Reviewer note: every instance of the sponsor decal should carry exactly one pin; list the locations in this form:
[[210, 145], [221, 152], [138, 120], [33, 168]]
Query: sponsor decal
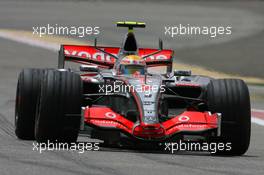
[[99, 56], [183, 118], [191, 126], [107, 123], [110, 115]]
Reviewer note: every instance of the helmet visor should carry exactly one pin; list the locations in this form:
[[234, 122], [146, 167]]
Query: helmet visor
[[131, 69]]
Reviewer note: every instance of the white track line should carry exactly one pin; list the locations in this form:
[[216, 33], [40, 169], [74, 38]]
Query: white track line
[[30, 41], [257, 110], [55, 47], [257, 121]]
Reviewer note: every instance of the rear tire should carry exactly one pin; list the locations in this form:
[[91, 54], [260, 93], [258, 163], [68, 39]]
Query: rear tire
[[230, 97], [59, 111], [28, 88]]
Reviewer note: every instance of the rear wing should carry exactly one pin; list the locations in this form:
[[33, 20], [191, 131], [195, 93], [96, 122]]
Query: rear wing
[[90, 55], [131, 24]]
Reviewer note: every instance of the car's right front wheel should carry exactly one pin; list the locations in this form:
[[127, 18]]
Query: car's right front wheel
[[28, 88], [59, 107]]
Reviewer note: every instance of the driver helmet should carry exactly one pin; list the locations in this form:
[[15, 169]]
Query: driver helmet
[[131, 65]]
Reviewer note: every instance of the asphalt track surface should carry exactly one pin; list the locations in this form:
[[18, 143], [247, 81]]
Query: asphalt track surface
[[17, 157]]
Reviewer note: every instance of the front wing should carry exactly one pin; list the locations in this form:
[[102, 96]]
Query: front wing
[[191, 122]]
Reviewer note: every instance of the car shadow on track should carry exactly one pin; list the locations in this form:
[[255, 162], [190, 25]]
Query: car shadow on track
[[131, 149]]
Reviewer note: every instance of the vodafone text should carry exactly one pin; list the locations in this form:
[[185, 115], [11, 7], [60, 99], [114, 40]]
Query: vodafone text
[[99, 56]]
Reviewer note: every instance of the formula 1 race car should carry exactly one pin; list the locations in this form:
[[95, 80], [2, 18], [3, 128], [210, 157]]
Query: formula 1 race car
[[120, 95]]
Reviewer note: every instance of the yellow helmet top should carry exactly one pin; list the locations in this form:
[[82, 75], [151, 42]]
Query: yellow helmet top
[[133, 59]]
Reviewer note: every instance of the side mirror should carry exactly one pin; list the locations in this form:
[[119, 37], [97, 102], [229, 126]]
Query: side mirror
[[160, 44], [182, 73], [89, 68]]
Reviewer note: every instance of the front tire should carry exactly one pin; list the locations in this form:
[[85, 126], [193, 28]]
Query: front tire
[[230, 97], [28, 88], [59, 111]]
